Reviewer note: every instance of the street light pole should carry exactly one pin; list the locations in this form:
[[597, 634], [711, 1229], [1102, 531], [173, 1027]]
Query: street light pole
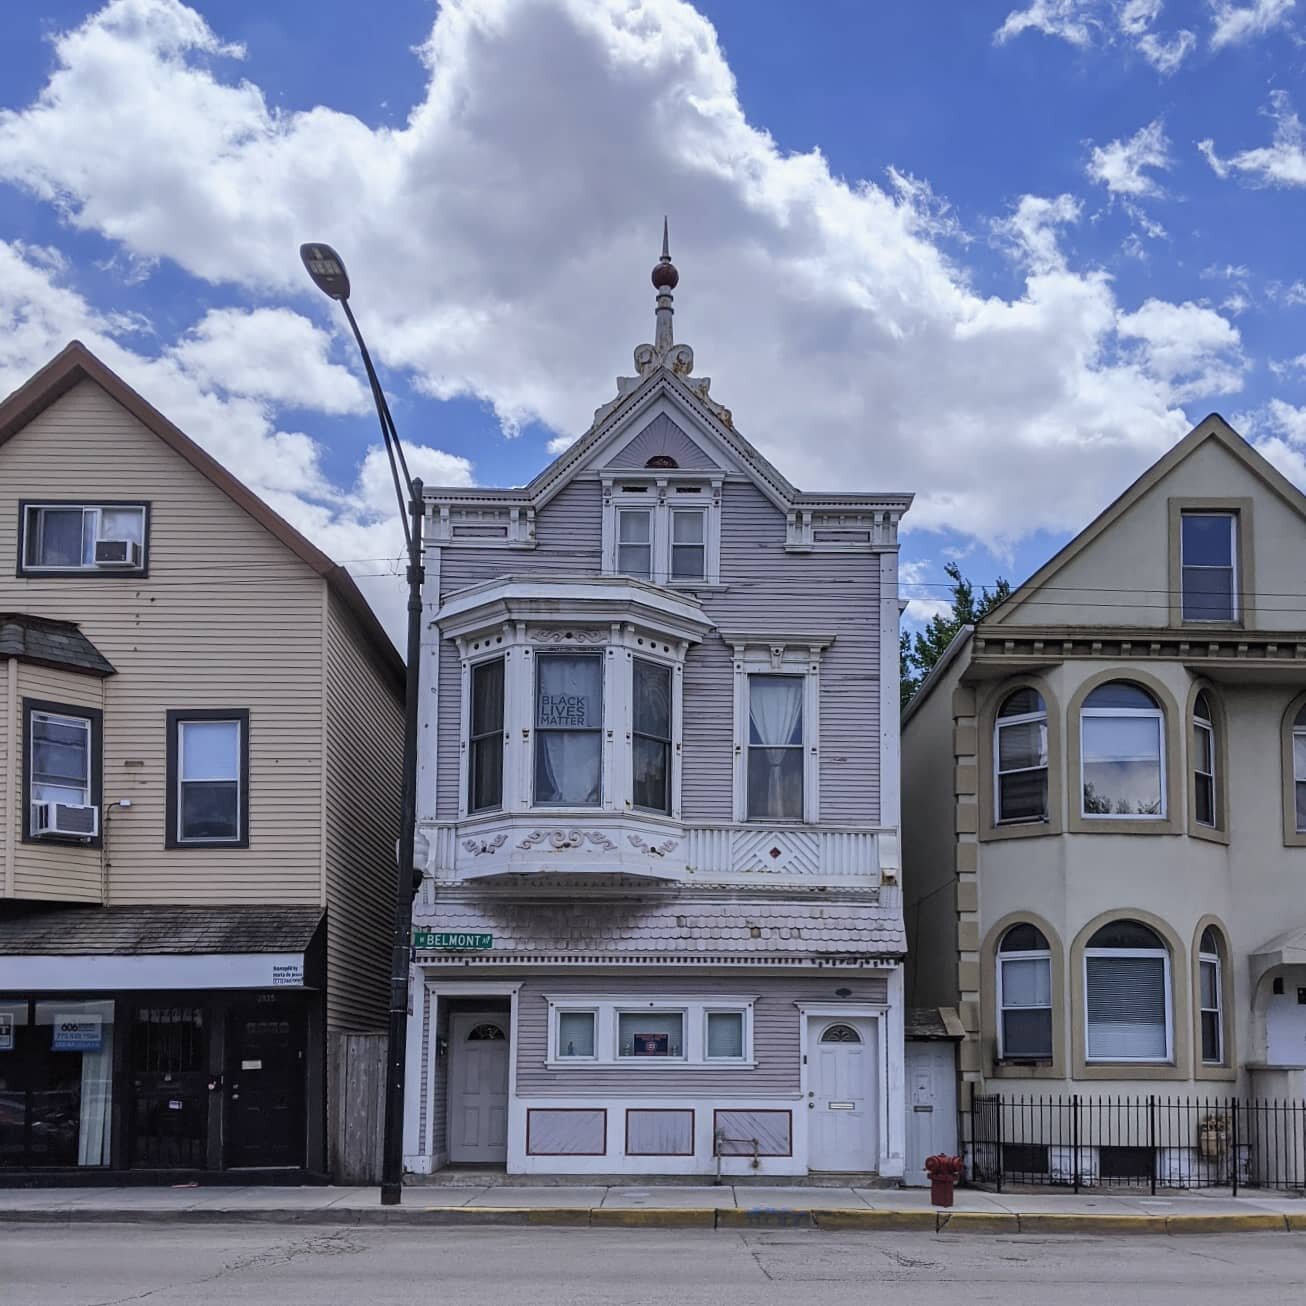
[[327, 270]]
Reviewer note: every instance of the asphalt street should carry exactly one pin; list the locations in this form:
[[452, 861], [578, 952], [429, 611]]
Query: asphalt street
[[112, 1265]]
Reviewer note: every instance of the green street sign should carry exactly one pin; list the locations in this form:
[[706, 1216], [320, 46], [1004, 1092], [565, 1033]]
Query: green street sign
[[451, 941]]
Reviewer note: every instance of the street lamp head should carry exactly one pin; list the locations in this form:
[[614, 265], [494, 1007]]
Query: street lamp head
[[327, 269]]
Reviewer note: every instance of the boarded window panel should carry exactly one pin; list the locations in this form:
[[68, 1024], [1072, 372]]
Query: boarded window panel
[[736, 1131], [565, 1132], [659, 1133]]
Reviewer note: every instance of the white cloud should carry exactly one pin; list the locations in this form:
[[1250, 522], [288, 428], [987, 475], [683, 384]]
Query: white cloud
[[1237, 303], [818, 306], [1278, 430], [273, 354], [1121, 166], [1089, 23], [1282, 163], [1233, 24]]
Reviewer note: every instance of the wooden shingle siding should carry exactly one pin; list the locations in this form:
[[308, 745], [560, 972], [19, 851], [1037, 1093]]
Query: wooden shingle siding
[[776, 1033], [228, 617], [364, 754]]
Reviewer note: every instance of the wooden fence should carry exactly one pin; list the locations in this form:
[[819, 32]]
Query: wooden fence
[[355, 1106]]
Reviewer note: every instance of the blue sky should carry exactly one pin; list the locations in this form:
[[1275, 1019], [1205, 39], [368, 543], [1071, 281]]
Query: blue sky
[[1002, 255]]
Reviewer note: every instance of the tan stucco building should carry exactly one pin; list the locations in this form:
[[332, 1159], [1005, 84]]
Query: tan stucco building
[[200, 742], [1104, 793]]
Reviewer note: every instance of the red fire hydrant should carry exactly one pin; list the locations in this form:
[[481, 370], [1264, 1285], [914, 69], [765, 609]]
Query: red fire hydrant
[[944, 1171]]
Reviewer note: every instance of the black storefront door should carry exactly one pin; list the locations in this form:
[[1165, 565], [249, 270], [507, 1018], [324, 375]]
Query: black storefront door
[[265, 1082], [170, 1087]]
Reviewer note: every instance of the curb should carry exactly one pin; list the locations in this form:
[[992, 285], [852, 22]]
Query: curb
[[844, 1219]]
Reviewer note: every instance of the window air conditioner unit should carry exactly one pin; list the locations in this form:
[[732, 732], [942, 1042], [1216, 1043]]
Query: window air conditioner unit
[[117, 553], [70, 820]]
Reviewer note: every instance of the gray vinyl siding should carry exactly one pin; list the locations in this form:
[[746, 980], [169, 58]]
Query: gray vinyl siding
[[766, 589], [364, 778], [776, 1034]]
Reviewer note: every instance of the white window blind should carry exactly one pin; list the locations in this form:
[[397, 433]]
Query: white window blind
[[1127, 998]]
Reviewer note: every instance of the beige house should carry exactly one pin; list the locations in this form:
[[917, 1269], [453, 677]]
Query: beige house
[[1104, 787], [200, 747]]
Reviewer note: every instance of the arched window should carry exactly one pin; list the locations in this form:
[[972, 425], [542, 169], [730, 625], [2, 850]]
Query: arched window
[[1127, 994], [1203, 762], [1020, 758], [485, 1034], [1122, 743], [1210, 974], [1024, 995], [1299, 769], [841, 1034]]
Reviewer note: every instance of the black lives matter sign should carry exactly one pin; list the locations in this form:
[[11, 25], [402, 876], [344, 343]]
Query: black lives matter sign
[[565, 710]]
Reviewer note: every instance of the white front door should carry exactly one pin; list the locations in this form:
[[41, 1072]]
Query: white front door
[[842, 1094], [931, 1105], [478, 1086]]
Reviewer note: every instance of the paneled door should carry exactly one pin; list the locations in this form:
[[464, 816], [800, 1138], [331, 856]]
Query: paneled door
[[478, 1087], [842, 1098], [931, 1106]]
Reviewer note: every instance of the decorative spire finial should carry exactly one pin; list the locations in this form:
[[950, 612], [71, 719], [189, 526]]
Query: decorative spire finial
[[665, 279], [664, 272]]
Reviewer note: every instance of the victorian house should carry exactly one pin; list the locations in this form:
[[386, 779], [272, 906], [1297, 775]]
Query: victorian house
[[1106, 856], [660, 928]]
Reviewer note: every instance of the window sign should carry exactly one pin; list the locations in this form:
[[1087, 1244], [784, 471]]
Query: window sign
[[6, 1031], [569, 721], [77, 1032]]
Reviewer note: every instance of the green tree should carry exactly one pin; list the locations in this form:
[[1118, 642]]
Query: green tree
[[918, 653]]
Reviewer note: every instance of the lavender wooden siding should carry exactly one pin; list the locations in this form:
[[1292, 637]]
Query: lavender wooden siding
[[775, 1033], [767, 589], [661, 437]]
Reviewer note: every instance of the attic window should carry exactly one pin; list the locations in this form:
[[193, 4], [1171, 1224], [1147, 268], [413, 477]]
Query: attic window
[[662, 460]]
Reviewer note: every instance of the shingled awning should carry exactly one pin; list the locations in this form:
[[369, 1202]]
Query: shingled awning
[[156, 947], [680, 929], [50, 644]]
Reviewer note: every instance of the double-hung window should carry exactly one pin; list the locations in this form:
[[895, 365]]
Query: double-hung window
[[1024, 995], [208, 779], [1203, 762], [1211, 997], [1020, 758], [1299, 769], [666, 533], [1127, 994], [688, 544], [485, 745], [568, 729], [1208, 544], [635, 542], [70, 538], [775, 748], [651, 735], [62, 747], [1123, 753]]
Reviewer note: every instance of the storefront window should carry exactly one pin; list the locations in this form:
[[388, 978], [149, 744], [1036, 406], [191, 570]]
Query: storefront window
[[56, 1083]]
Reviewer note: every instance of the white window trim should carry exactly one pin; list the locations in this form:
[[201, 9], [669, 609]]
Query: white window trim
[[1037, 954], [782, 655], [1206, 724], [1232, 568], [1151, 713], [693, 1012], [619, 644], [83, 723], [604, 730], [1164, 955], [1211, 959], [1000, 723], [32, 509], [660, 497]]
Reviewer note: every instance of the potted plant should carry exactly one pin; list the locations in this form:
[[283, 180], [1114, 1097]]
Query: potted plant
[[1212, 1136], [944, 1171]]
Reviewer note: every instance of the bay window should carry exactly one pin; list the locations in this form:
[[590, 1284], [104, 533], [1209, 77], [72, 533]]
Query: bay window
[[775, 748], [1127, 995], [1210, 997], [568, 729], [61, 771], [1203, 762], [1299, 771], [1122, 745], [651, 736], [1020, 758]]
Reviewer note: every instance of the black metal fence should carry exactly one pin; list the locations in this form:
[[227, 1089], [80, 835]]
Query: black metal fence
[[1149, 1142]]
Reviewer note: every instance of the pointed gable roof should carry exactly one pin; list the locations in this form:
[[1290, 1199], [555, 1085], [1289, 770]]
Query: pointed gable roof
[[75, 364], [1211, 429]]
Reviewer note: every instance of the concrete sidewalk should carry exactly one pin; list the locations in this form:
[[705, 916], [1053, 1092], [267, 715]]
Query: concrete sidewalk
[[656, 1206]]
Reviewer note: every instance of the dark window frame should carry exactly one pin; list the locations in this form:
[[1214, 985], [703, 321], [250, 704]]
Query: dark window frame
[[82, 573], [474, 740], [96, 717], [176, 717], [667, 743]]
